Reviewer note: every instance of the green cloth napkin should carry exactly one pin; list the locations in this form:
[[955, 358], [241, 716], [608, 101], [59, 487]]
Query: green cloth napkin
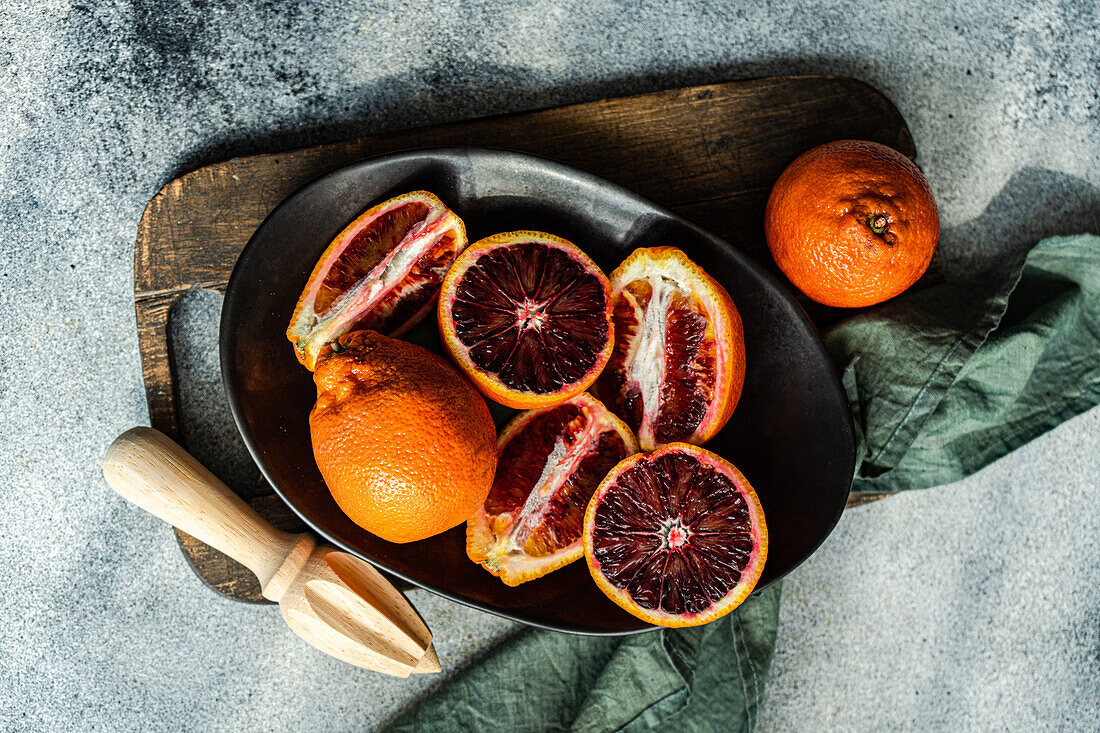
[[940, 381]]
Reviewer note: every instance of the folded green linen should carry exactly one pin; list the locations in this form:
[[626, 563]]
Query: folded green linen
[[940, 381]]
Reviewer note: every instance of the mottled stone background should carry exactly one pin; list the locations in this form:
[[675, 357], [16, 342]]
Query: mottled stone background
[[971, 607]]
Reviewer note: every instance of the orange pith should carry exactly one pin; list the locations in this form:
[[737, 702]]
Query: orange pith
[[405, 444], [675, 537], [382, 272], [679, 360], [852, 223], [527, 317], [551, 460]]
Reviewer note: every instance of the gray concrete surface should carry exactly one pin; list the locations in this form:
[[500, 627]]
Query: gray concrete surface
[[971, 607]]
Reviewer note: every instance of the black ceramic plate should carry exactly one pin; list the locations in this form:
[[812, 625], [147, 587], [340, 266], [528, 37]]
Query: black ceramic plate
[[791, 433]]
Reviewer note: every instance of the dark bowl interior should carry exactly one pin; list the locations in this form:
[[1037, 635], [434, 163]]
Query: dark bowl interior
[[791, 433]]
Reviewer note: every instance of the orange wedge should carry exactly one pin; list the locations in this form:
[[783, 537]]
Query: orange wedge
[[679, 361], [381, 273], [551, 460]]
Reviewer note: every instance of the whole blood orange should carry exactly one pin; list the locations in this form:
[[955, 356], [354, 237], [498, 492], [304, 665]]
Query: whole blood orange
[[405, 444], [382, 272], [550, 462], [679, 361], [527, 316], [852, 223], [676, 537]]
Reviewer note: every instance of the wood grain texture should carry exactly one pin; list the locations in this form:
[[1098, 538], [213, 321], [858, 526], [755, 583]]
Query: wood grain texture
[[709, 152]]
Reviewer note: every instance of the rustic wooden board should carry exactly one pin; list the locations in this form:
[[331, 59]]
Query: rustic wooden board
[[708, 152]]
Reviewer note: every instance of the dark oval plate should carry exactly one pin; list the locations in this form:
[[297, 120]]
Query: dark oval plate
[[791, 433]]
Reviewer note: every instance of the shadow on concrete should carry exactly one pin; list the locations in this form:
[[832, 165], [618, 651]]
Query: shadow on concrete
[[462, 89], [1034, 204]]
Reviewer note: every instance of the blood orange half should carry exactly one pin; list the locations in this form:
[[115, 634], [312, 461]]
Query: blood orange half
[[679, 361], [527, 316], [676, 537], [551, 460], [381, 273]]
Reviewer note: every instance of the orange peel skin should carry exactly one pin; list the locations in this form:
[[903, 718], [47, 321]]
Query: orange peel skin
[[852, 223]]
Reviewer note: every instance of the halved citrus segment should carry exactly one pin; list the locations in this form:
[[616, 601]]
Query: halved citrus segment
[[550, 462], [679, 361], [381, 273], [676, 537], [527, 316]]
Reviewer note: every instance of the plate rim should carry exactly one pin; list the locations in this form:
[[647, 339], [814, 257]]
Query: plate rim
[[227, 342]]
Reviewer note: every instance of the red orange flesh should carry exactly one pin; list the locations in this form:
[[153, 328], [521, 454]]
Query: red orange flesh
[[675, 537], [550, 462], [382, 273], [527, 316], [679, 361]]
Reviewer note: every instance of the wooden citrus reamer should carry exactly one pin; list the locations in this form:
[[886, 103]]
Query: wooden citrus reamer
[[335, 601]]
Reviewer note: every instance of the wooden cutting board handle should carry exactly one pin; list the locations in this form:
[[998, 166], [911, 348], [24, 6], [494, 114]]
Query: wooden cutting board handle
[[149, 469]]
